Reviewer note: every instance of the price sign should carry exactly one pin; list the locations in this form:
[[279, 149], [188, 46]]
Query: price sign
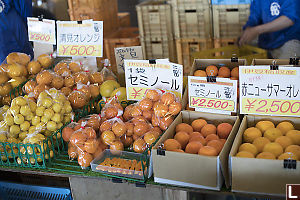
[[219, 96], [142, 75], [84, 39], [41, 31], [265, 91]]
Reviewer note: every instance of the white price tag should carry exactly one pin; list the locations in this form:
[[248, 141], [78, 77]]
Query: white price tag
[[142, 75], [41, 31], [213, 96]]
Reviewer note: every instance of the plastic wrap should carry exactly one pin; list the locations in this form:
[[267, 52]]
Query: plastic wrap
[[112, 109]]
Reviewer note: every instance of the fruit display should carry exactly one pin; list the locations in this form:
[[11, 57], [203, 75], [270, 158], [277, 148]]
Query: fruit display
[[221, 72], [199, 137], [270, 141], [16, 69]]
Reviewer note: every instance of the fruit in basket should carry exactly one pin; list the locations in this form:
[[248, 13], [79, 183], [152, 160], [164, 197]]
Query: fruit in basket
[[94, 90], [200, 73], [77, 99], [295, 149], [184, 127], [120, 93], [96, 77], [29, 86], [264, 125], [198, 124], [3, 77], [249, 147], [34, 67], [251, 133], [44, 77], [223, 130], [107, 137], [285, 127], [171, 144], [15, 82], [244, 154], [81, 77], [75, 67], [107, 88], [45, 60], [15, 70], [84, 159], [235, 72], [167, 98], [294, 135], [211, 137], [57, 82], [116, 145], [91, 146], [72, 152], [217, 144], [119, 129], [20, 58], [5, 89], [288, 155], [208, 151], [272, 134], [224, 72], [165, 122], [266, 155], [139, 145], [274, 148], [153, 95], [211, 70], [193, 147], [208, 129], [260, 142]]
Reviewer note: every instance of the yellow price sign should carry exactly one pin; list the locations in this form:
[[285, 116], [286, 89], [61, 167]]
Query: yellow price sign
[[80, 50], [270, 106], [209, 103], [138, 93]]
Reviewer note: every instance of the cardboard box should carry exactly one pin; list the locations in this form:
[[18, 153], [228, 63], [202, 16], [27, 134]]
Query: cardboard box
[[191, 170], [270, 62], [263, 176]]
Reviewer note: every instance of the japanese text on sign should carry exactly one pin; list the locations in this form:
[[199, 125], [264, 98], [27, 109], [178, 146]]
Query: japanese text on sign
[[270, 92], [41, 31], [213, 97], [141, 75], [84, 39]]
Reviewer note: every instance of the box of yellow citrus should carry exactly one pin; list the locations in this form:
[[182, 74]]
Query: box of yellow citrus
[[265, 155], [194, 151]]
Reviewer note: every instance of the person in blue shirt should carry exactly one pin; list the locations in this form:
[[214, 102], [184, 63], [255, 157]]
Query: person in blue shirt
[[13, 27], [277, 23]]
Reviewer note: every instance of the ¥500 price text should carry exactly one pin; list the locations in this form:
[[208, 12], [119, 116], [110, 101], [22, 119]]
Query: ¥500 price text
[[40, 37], [79, 50]]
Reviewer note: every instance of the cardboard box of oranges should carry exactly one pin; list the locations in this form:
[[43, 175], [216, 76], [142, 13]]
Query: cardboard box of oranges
[[270, 62], [264, 155], [195, 163]]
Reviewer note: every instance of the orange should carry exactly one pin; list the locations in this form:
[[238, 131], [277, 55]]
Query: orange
[[197, 137], [294, 135], [153, 95], [235, 72], [193, 147], [285, 127], [288, 155], [178, 150], [171, 144], [272, 134], [208, 129], [200, 73], [260, 142], [195, 133], [211, 137], [139, 145], [264, 125], [182, 137], [117, 145], [150, 137], [217, 144], [198, 124], [224, 72], [284, 141], [294, 149], [184, 127], [223, 130], [266, 155], [274, 148], [108, 137], [223, 141], [248, 147], [244, 154], [251, 133], [145, 104], [211, 70], [160, 110], [167, 98], [208, 151]]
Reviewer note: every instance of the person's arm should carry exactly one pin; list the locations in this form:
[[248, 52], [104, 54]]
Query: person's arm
[[254, 18], [278, 24], [24, 8]]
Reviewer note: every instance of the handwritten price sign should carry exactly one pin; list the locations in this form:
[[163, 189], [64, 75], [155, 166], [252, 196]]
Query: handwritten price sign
[[84, 39], [141, 75], [41, 31], [219, 96], [265, 91]]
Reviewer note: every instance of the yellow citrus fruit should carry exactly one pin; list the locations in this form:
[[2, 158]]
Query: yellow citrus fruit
[[294, 135], [266, 155], [251, 133], [288, 155], [284, 141], [260, 142], [264, 125], [272, 134], [244, 154], [249, 148], [273, 148], [293, 149], [285, 127]]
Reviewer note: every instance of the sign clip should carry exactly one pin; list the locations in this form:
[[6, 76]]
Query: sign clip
[[294, 61], [289, 164], [234, 59], [152, 61], [41, 17], [161, 152], [211, 79]]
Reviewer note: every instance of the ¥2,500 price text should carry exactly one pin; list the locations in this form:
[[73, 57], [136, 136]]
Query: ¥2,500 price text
[[271, 106], [218, 104]]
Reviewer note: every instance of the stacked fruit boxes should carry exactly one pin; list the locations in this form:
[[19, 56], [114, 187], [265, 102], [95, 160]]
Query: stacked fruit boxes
[[156, 29], [192, 27], [229, 17]]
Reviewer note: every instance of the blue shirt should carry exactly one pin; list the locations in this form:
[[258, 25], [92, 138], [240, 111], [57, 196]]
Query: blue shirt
[[264, 11], [13, 27]]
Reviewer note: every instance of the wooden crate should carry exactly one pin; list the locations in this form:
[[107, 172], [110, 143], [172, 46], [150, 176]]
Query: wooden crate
[[125, 37], [176, 3], [155, 48], [185, 49], [154, 19], [228, 20], [224, 42], [108, 14], [92, 4], [124, 19], [191, 20]]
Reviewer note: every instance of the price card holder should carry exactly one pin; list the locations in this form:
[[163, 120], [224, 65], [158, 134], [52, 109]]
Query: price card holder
[[141, 75], [270, 90], [213, 95]]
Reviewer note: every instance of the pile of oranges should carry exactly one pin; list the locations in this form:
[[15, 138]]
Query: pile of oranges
[[222, 72], [199, 138], [265, 141]]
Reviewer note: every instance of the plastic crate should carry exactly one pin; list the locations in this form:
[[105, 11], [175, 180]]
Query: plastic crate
[[185, 49], [228, 20], [14, 191], [246, 52], [155, 19], [155, 48], [124, 19], [192, 19], [230, 2]]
